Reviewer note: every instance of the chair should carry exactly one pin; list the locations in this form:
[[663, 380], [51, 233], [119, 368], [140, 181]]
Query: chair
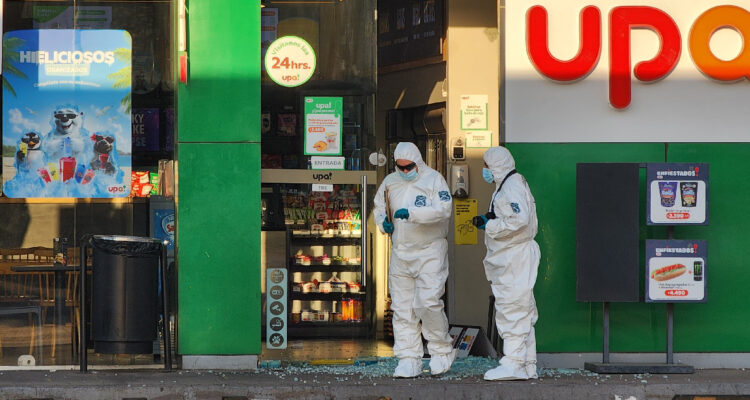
[[21, 293]]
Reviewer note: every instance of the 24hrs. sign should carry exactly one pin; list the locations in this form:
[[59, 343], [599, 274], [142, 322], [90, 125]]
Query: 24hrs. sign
[[290, 61]]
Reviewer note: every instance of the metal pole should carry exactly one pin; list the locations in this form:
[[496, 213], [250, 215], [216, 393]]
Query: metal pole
[[362, 224], [165, 309], [605, 334], [670, 315], [82, 347], [670, 333]]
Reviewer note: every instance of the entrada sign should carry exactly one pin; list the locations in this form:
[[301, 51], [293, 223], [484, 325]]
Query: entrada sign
[[622, 20]]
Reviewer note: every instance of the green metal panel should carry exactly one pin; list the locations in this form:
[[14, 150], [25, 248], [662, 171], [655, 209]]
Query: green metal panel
[[564, 324], [218, 203], [721, 324], [219, 248], [223, 89]]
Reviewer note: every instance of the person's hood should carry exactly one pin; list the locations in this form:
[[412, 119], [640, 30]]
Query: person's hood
[[500, 162], [409, 151]]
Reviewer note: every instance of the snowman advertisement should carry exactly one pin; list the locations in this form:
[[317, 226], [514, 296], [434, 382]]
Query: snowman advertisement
[[66, 113]]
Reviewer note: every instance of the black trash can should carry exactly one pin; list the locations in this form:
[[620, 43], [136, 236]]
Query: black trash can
[[125, 304]]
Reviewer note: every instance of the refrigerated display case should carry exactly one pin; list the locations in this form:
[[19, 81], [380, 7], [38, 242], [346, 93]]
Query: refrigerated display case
[[326, 250]]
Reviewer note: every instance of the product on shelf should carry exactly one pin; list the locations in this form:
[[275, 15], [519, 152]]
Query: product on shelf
[[308, 315], [354, 287], [309, 287]]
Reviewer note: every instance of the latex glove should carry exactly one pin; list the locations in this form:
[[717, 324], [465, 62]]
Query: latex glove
[[387, 226], [480, 221], [401, 213]]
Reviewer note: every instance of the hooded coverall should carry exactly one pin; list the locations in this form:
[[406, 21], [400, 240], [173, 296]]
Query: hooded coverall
[[419, 257], [512, 261]]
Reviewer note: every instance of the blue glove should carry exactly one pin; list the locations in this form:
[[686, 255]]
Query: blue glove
[[401, 213], [480, 221], [387, 226]]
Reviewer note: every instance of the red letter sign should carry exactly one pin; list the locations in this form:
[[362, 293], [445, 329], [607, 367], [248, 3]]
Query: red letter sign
[[622, 20], [538, 47]]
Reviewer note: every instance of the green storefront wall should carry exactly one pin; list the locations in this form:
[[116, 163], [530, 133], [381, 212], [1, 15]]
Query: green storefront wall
[[218, 213], [218, 195], [720, 325]]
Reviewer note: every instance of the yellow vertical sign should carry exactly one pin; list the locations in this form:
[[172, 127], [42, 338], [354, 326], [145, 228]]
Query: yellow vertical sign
[[464, 210]]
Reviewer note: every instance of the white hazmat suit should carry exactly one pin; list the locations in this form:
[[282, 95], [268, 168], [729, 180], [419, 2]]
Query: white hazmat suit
[[419, 264], [511, 266]]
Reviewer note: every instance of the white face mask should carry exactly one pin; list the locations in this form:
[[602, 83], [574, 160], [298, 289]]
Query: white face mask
[[408, 176], [487, 175]]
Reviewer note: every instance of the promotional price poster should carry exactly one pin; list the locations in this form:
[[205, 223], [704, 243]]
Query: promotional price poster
[[323, 125], [677, 194], [66, 113], [676, 271]]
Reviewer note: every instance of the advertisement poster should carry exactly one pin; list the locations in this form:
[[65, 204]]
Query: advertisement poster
[[68, 17], [676, 271], [276, 306], [290, 61], [66, 114], [677, 194], [146, 129], [323, 125], [474, 112], [464, 231]]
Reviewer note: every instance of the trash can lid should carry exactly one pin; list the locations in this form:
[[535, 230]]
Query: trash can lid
[[123, 238], [129, 246]]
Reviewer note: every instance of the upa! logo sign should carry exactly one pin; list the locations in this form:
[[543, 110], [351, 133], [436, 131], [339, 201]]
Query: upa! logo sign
[[644, 62], [622, 20]]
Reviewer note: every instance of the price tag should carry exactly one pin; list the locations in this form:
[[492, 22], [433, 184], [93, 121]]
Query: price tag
[[318, 187]]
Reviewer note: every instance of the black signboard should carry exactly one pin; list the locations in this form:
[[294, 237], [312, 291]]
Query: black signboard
[[409, 30], [676, 271]]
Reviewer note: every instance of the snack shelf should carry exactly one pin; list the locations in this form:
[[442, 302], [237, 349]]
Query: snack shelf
[[314, 324], [307, 248], [326, 296], [328, 330], [325, 268], [318, 241]]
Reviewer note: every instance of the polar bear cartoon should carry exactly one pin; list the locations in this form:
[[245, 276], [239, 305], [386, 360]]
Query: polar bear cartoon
[[67, 138]]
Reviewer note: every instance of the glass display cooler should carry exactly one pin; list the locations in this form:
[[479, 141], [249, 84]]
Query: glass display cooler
[[325, 247]]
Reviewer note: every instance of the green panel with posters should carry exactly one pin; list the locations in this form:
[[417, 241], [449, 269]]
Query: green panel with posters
[[568, 326]]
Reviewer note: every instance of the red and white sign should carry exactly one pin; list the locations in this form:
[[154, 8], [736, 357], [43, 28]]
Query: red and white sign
[[290, 61], [618, 71]]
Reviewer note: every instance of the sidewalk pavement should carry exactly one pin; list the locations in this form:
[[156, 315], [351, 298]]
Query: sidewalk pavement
[[369, 382]]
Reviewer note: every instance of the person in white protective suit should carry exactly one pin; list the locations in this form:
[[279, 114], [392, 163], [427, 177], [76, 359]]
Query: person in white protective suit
[[421, 205], [511, 264]]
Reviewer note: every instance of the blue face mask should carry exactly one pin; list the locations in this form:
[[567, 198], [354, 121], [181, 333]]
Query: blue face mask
[[487, 175], [408, 176]]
